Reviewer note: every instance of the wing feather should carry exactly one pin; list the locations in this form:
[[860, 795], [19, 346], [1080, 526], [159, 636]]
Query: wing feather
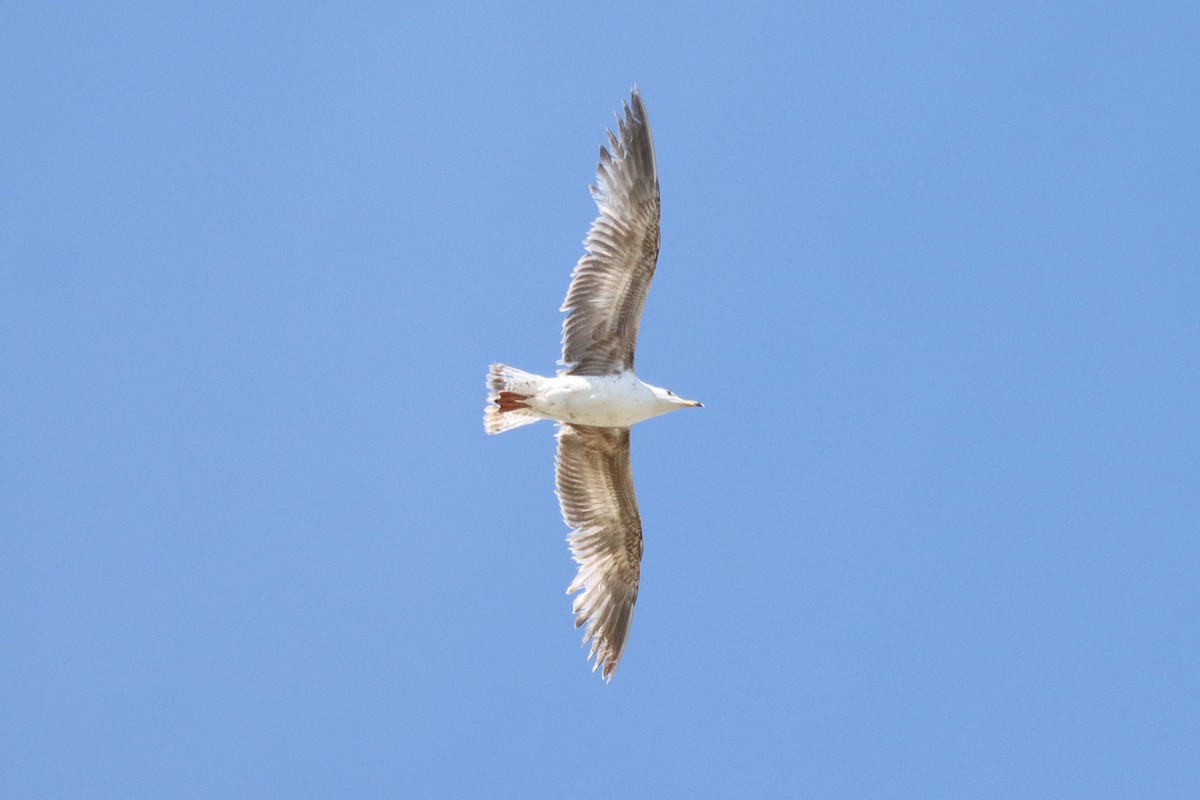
[[595, 490], [610, 283]]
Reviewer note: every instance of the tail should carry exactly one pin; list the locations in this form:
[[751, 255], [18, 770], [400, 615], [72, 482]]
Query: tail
[[508, 389]]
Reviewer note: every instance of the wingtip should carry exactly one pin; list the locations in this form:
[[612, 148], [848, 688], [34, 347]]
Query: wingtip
[[636, 101], [606, 669]]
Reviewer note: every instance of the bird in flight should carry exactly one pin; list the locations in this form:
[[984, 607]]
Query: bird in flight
[[596, 398]]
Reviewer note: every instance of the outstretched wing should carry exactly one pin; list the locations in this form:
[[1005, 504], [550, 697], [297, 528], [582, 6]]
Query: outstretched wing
[[595, 490], [609, 284]]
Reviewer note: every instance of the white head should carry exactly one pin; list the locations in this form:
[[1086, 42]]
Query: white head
[[669, 401]]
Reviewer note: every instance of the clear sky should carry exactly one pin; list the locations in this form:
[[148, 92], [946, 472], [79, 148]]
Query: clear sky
[[933, 270]]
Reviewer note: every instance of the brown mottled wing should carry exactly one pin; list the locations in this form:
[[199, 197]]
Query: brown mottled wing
[[609, 285], [595, 490]]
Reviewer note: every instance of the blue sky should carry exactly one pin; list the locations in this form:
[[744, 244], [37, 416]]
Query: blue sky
[[933, 270]]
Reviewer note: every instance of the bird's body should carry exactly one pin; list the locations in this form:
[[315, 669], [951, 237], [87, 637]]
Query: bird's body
[[609, 401], [598, 398]]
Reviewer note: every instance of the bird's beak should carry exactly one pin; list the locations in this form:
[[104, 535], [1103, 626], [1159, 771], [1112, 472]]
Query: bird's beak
[[693, 403]]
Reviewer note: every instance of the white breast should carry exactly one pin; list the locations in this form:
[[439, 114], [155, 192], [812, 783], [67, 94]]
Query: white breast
[[604, 400]]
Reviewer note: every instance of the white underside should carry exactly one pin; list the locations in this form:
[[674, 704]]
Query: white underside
[[611, 401]]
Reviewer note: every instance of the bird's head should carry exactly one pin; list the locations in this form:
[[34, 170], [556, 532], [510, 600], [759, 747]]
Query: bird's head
[[669, 401]]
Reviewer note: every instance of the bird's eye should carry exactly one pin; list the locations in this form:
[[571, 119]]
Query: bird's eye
[[670, 393]]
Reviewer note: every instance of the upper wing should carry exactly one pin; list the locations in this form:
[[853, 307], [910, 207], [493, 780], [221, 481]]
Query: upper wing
[[595, 490], [609, 284]]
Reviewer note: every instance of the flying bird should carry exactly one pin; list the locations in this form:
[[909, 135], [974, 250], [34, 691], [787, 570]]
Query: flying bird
[[596, 398]]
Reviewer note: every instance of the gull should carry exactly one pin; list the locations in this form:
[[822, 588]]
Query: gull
[[597, 397]]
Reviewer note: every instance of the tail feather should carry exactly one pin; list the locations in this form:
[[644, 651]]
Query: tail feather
[[508, 388]]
